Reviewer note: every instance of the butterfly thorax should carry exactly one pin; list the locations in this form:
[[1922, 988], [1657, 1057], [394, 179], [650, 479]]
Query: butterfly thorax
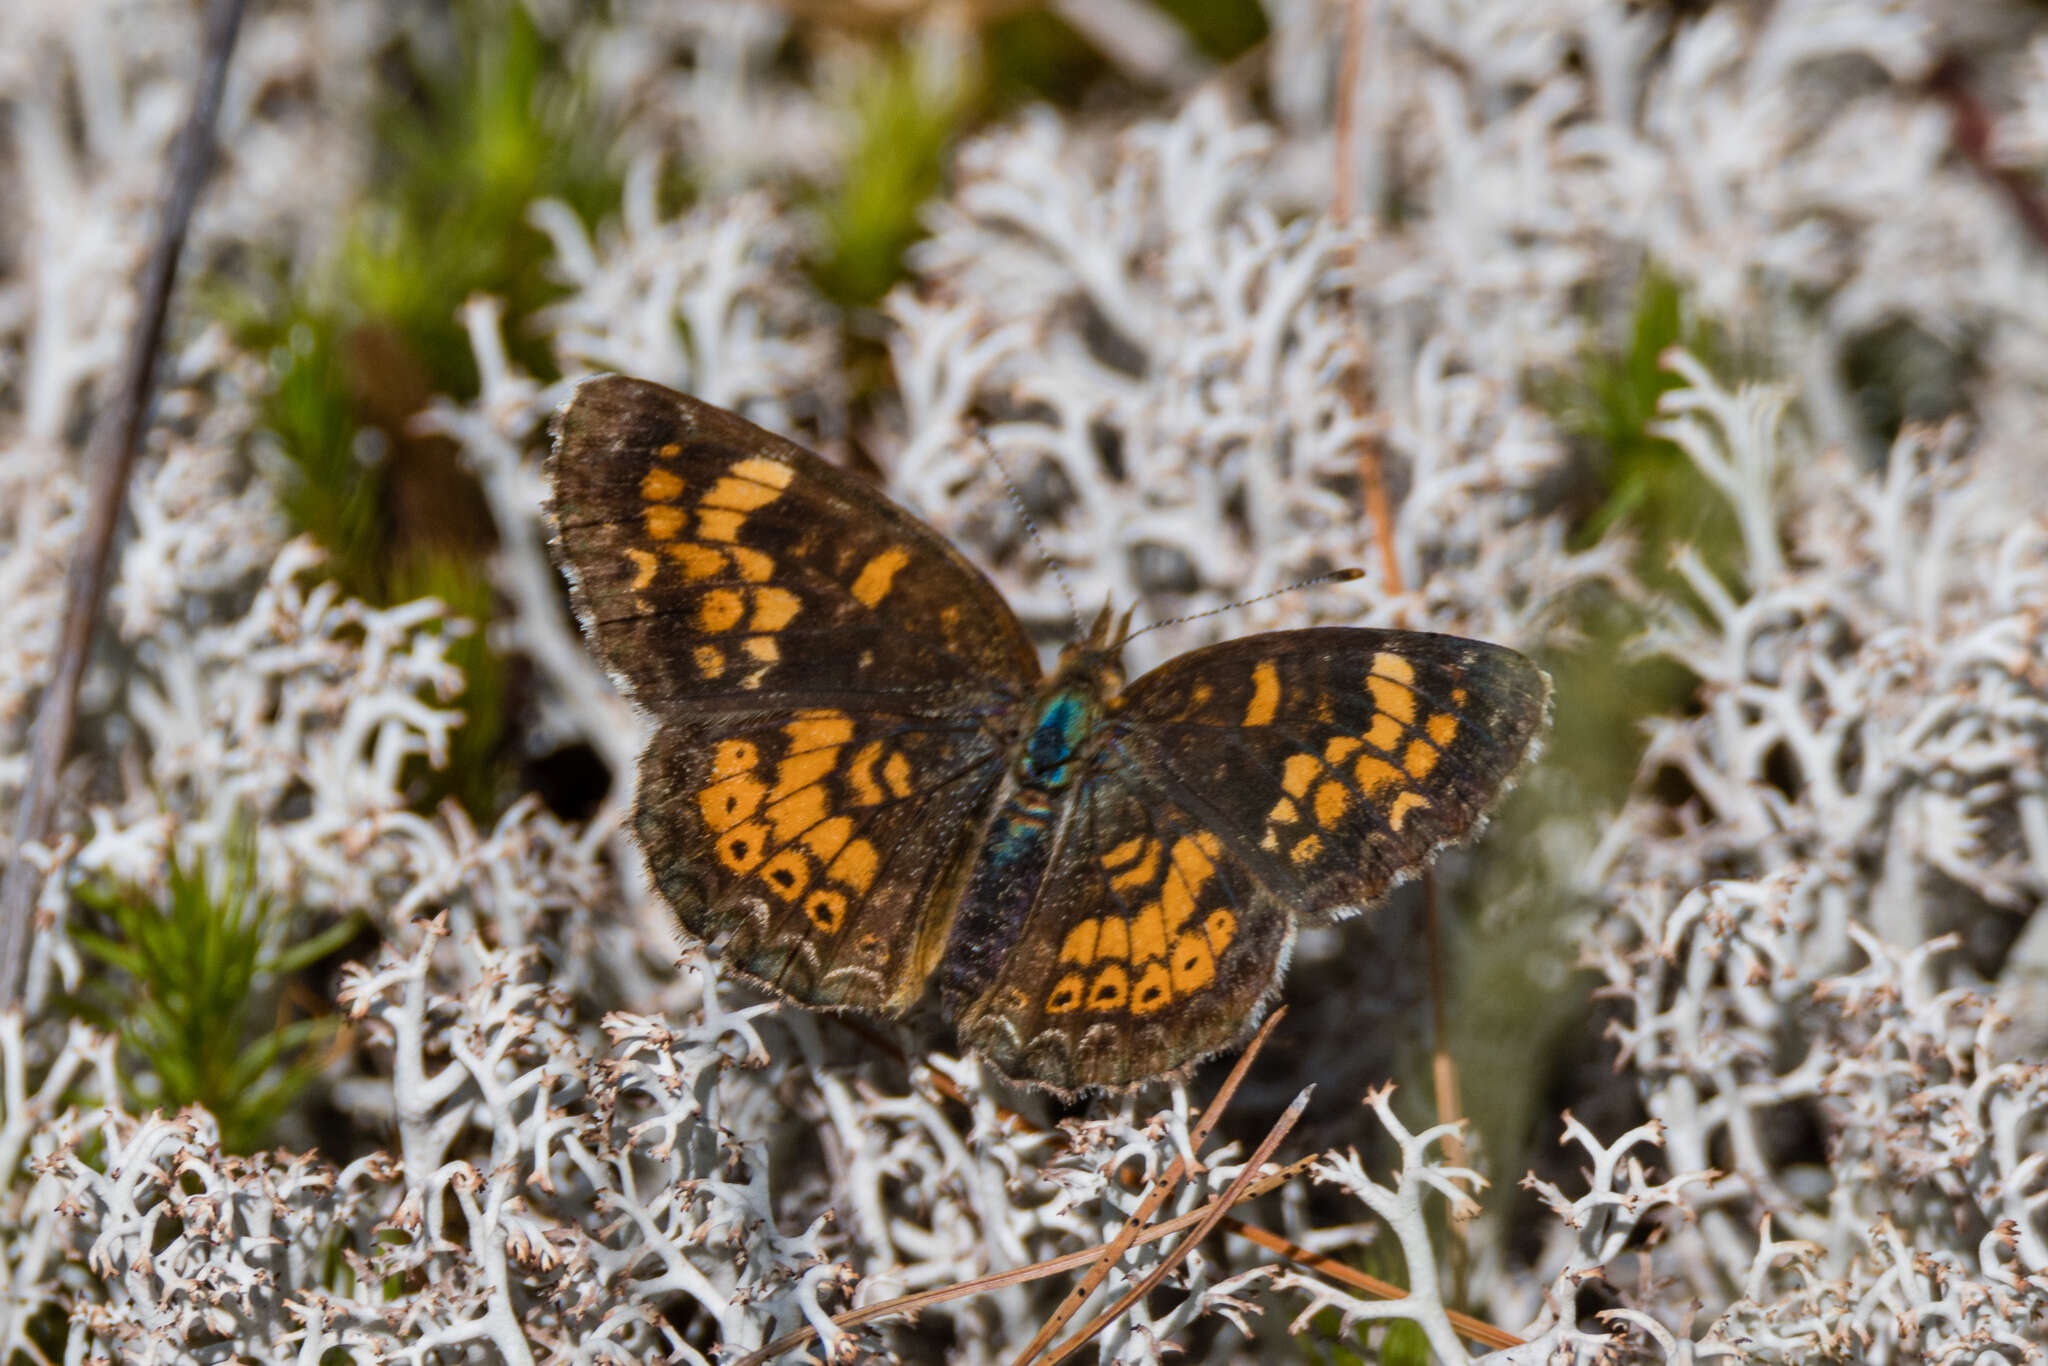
[[1068, 709]]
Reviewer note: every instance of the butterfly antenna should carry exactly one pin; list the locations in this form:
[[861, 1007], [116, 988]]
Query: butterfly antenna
[[1334, 576], [1023, 512]]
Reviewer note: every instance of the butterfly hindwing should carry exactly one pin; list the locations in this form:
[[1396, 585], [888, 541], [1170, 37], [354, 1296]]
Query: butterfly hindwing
[[821, 845], [713, 562], [1149, 946], [1336, 760]]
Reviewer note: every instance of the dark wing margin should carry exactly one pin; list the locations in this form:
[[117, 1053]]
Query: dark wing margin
[[712, 561], [1337, 761]]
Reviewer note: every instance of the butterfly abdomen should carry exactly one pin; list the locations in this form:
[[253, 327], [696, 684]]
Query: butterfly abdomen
[[1017, 848]]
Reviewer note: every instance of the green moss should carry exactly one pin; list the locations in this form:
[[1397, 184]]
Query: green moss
[[1223, 29], [898, 156], [191, 981]]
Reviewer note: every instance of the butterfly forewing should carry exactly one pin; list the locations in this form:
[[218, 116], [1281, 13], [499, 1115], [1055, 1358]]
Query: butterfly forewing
[[1336, 760], [711, 561]]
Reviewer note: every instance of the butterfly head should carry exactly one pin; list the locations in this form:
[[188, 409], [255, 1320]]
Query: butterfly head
[[1094, 665]]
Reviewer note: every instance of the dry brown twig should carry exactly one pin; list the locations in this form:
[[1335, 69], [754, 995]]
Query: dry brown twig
[[113, 458]]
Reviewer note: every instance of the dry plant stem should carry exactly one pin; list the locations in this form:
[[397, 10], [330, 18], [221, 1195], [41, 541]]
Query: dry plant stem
[[113, 457], [1162, 1188], [1038, 1271], [1237, 1193], [1379, 510], [1474, 1330]]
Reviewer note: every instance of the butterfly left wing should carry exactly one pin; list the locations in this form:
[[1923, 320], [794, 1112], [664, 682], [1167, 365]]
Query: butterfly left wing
[[1236, 791]]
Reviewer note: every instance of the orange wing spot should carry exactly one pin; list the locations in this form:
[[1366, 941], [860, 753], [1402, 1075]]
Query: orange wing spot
[[1221, 927], [1403, 804], [1080, 945], [1176, 900], [741, 495], [817, 729], [1141, 873], [827, 838], [1420, 758], [741, 848], [710, 661], [761, 470], [698, 561], [860, 775], [644, 565], [878, 575], [896, 773], [1265, 694], [660, 486], [1284, 812], [1392, 698], [826, 908], [664, 523], [1331, 799], [773, 608], [753, 565], [1385, 733], [800, 771], [855, 866], [1124, 853], [720, 610], [762, 649], [797, 812], [1298, 772], [1209, 842], [1112, 988], [1340, 748], [669, 450], [1458, 696], [1194, 966], [1271, 841], [1442, 728], [1148, 934], [734, 756], [1153, 992], [1393, 666], [1065, 996], [727, 803], [788, 873], [716, 525], [1306, 851], [1195, 857], [1375, 775], [1115, 941]]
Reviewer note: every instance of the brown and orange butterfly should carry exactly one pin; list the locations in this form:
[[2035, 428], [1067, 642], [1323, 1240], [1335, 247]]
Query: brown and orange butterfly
[[861, 781]]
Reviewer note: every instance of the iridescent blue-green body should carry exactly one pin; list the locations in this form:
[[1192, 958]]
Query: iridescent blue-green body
[[1017, 850]]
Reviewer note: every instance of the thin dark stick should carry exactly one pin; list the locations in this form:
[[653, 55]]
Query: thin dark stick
[[113, 457], [1168, 1182], [1236, 1194]]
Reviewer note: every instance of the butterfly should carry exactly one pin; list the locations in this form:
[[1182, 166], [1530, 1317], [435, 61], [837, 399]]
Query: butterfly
[[863, 783]]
